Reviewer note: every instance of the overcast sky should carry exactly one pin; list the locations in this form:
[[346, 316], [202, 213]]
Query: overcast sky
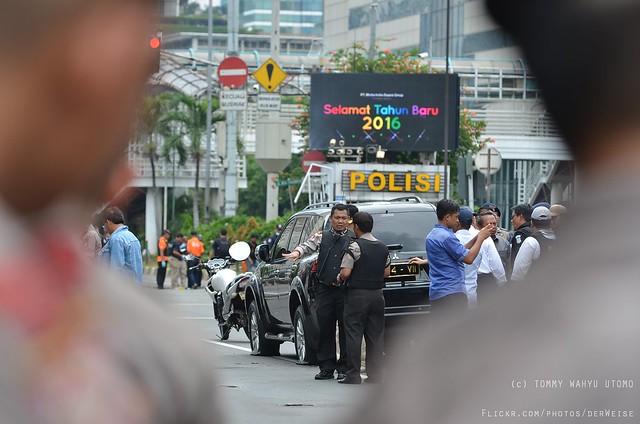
[[205, 3]]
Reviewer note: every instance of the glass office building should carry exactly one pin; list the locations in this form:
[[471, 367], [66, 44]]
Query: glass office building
[[297, 17]]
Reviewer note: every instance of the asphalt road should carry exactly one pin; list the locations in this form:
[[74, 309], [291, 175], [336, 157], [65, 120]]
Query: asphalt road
[[258, 389]]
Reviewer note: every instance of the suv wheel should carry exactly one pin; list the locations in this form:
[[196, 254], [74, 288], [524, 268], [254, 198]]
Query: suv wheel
[[260, 346], [305, 353]]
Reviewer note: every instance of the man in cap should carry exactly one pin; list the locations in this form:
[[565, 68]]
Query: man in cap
[[558, 213], [533, 248]]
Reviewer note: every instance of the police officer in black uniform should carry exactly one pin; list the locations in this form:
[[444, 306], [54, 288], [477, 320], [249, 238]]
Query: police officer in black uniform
[[332, 244], [364, 269], [521, 220]]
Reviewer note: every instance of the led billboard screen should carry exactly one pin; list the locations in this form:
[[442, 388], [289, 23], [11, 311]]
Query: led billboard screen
[[399, 112]]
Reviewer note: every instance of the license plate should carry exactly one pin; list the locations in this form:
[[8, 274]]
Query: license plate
[[404, 270]]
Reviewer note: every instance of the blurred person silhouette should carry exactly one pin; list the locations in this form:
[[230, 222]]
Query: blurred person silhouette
[[79, 344], [220, 246], [92, 240], [163, 257], [177, 263], [558, 216], [579, 318], [194, 274]]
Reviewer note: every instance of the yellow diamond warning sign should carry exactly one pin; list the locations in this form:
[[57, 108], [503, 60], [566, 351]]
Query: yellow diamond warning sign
[[270, 75]]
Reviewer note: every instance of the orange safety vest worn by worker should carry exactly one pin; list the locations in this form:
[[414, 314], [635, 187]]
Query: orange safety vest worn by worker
[[162, 250], [195, 246]]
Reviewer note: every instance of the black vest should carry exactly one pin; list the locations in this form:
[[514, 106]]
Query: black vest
[[332, 248], [546, 244], [519, 236], [368, 270]]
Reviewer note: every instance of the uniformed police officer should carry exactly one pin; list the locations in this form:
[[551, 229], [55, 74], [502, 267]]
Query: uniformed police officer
[[365, 267], [332, 244]]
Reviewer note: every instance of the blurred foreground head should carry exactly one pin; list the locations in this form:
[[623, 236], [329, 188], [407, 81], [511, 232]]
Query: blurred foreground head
[[584, 56], [71, 75]]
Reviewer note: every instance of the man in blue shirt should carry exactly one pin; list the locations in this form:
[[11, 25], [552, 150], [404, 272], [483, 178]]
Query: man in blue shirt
[[122, 251], [447, 256]]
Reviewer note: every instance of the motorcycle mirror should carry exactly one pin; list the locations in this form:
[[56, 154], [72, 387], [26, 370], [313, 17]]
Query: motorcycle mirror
[[240, 251]]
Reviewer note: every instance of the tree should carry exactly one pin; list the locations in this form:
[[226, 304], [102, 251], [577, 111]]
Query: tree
[[253, 199], [190, 116], [149, 122]]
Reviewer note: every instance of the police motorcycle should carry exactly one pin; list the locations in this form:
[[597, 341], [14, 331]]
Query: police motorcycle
[[226, 289]]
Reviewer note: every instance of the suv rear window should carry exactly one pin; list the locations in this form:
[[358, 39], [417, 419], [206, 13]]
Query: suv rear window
[[407, 228]]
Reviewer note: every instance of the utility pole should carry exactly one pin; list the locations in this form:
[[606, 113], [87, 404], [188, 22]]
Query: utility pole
[[446, 106], [231, 177], [373, 20], [207, 173], [272, 188]]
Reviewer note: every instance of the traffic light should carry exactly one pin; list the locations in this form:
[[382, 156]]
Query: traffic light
[[155, 43]]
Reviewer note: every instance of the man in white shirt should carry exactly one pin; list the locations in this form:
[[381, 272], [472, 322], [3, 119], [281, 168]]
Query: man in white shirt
[[491, 273], [531, 248], [464, 234]]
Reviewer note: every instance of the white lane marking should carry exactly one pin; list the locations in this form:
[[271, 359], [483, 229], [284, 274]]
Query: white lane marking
[[244, 349], [194, 317]]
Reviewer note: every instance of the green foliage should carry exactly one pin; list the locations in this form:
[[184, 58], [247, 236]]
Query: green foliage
[[301, 122], [470, 142], [292, 172], [356, 59], [253, 199], [239, 227], [187, 117]]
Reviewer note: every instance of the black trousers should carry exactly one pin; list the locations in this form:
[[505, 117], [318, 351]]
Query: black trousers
[[487, 286], [194, 276], [161, 274], [364, 316], [455, 304], [329, 310]]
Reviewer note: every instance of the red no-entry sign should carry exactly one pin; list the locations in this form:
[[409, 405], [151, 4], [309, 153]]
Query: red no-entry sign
[[233, 72]]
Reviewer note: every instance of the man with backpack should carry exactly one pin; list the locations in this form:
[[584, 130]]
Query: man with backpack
[[537, 246]]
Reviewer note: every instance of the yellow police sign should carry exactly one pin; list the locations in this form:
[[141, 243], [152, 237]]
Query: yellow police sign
[[406, 182], [270, 75]]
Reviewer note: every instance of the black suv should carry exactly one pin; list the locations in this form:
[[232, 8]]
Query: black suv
[[279, 304]]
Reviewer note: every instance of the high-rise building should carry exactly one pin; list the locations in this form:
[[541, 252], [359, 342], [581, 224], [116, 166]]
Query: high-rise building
[[300, 17], [416, 24]]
